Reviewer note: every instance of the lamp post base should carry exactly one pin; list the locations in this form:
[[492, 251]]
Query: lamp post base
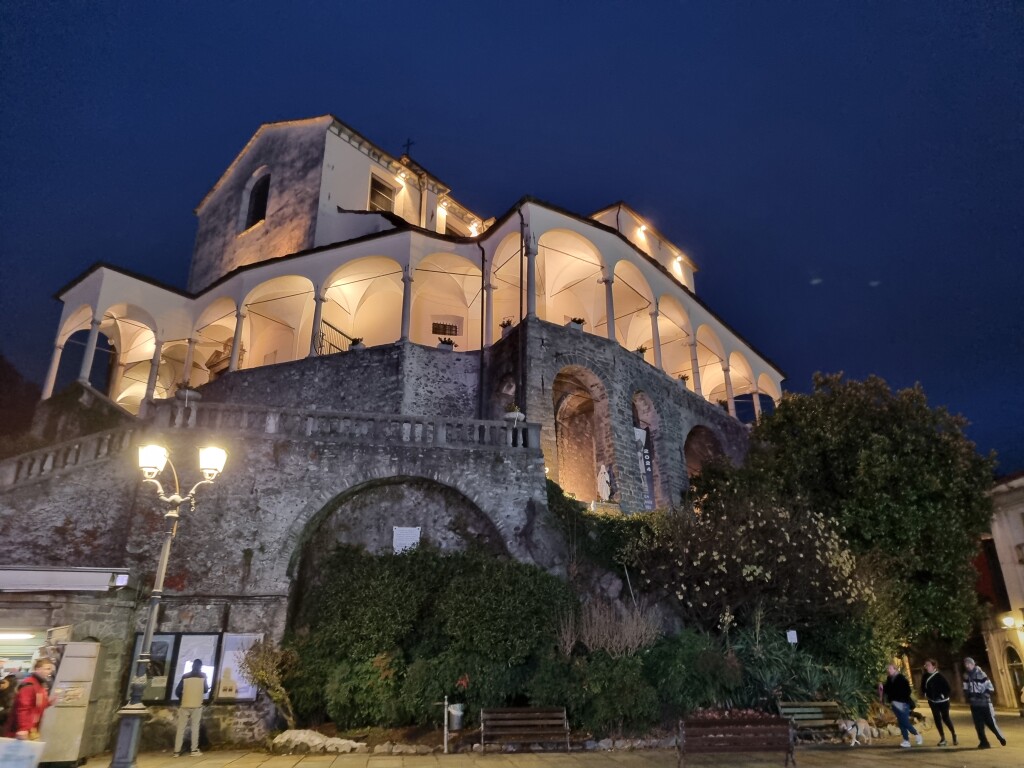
[[129, 734]]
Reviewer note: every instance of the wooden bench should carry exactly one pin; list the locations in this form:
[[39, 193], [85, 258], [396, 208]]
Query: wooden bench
[[755, 734], [816, 719], [512, 725]]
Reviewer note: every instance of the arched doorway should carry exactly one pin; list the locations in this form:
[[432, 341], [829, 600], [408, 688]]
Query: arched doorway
[[701, 446], [586, 461], [1015, 668]]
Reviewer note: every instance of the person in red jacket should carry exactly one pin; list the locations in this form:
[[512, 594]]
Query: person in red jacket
[[31, 701]]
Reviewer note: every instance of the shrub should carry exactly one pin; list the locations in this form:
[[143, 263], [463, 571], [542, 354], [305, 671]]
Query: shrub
[[617, 697]]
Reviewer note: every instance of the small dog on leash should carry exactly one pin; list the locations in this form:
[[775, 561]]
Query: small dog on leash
[[859, 731]]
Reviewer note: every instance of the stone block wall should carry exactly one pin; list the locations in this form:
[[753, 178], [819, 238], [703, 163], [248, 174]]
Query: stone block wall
[[104, 618]]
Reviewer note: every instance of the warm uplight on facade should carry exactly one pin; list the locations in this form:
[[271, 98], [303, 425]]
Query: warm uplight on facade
[[1008, 621], [643, 230], [474, 229]]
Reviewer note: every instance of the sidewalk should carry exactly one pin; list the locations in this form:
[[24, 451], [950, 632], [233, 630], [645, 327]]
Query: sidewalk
[[884, 751]]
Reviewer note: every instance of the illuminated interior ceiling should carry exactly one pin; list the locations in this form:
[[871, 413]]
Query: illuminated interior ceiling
[[14, 647]]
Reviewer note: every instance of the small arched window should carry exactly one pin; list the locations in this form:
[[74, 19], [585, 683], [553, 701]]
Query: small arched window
[[258, 201], [254, 199]]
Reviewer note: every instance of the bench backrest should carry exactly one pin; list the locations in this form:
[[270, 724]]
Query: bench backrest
[[810, 713], [522, 724]]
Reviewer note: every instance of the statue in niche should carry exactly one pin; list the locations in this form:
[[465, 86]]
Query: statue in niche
[[604, 483]]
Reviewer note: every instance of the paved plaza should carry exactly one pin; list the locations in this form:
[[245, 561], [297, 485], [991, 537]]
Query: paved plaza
[[882, 752]]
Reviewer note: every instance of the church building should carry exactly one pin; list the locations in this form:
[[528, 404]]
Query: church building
[[384, 367]]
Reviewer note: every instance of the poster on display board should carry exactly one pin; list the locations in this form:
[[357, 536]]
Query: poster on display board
[[232, 684]]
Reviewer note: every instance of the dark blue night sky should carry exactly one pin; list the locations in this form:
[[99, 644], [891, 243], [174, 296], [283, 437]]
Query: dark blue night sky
[[849, 176]]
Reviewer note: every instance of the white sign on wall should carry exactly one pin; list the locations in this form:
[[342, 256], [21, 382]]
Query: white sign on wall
[[405, 538]]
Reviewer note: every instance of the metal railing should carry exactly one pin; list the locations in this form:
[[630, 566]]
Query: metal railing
[[330, 340]]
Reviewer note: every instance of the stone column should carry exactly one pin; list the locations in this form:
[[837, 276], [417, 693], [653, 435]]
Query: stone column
[[186, 375], [695, 366], [531, 278], [90, 351], [51, 374], [656, 338], [488, 315], [757, 404], [728, 389], [406, 302], [318, 318], [154, 370], [609, 305], [236, 344]]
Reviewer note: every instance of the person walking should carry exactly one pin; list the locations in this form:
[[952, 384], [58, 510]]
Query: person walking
[[979, 690], [31, 701], [935, 689], [191, 691], [8, 690], [897, 690]]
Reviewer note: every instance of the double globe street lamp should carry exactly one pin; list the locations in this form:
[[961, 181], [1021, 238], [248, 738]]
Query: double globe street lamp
[[152, 460]]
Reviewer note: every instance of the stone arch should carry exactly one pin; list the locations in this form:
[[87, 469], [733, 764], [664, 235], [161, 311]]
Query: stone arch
[[742, 377], [274, 314], [647, 433], [675, 331], [503, 272], [214, 332], [710, 356], [701, 446], [569, 267], [1014, 668], [364, 300], [633, 299], [583, 435], [365, 514], [447, 290]]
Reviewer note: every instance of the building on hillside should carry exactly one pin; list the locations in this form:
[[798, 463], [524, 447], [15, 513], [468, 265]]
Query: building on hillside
[[326, 274], [1003, 630]]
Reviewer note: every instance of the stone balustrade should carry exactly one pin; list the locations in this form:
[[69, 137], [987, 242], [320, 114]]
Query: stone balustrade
[[72, 453], [366, 428]]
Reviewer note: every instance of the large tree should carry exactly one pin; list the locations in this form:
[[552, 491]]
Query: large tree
[[905, 485]]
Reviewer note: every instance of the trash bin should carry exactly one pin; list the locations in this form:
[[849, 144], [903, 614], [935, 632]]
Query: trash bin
[[455, 715]]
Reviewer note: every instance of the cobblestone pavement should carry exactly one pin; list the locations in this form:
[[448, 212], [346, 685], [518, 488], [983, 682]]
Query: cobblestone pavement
[[882, 752]]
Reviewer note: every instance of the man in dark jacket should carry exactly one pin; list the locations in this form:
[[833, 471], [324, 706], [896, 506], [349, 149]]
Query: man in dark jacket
[[979, 689], [897, 690], [935, 688]]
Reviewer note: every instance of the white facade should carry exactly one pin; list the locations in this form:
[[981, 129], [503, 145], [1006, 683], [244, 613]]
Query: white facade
[[1004, 635], [315, 263]]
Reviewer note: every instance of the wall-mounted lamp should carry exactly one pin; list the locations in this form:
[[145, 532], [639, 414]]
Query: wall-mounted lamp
[[474, 229], [1009, 621], [444, 203]]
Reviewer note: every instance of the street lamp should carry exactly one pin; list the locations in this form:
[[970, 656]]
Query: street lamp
[[152, 460]]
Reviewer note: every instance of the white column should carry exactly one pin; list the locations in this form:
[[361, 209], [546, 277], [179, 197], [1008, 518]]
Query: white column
[[757, 404], [656, 337], [154, 369], [488, 315], [609, 305], [728, 389], [90, 351], [406, 301], [695, 366], [186, 375], [51, 374], [236, 344], [531, 278], [318, 317]]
